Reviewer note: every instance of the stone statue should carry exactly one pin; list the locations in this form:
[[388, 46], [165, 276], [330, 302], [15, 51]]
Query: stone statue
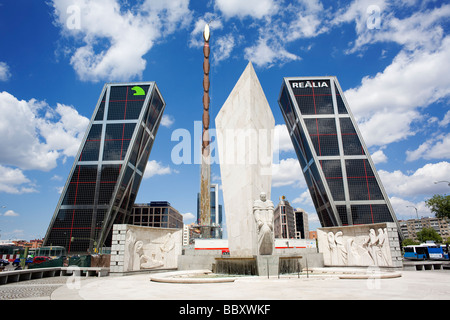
[[263, 213]]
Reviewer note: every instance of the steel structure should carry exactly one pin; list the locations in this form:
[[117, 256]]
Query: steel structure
[[108, 169], [338, 169]]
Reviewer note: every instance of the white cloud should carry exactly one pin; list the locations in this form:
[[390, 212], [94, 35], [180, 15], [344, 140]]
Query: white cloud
[[11, 213], [34, 135], [304, 199], [444, 122], [392, 99], [387, 127], [253, 8], [395, 97], [188, 217], [287, 172], [402, 86], [379, 157], [297, 20], [156, 168], [419, 183], [66, 134], [309, 20], [224, 46], [4, 72], [419, 30], [266, 53], [282, 139], [167, 120], [405, 209], [115, 38], [14, 181], [434, 148]]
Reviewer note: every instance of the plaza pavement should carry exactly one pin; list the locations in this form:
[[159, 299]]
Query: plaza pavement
[[409, 285]]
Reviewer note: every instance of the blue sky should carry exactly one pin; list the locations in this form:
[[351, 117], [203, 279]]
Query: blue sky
[[392, 60]]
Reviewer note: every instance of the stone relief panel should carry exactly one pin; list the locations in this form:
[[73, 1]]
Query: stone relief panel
[[366, 245], [141, 248]]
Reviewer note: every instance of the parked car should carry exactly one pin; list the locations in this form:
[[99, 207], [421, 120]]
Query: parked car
[[40, 259], [17, 261], [4, 262]]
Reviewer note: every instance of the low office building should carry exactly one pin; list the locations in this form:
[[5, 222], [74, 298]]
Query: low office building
[[410, 228], [284, 220], [158, 214]]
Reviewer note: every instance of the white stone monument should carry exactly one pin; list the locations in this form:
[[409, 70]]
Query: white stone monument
[[245, 133]]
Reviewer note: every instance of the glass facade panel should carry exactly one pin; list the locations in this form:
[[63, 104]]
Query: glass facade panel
[[288, 108], [340, 103], [362, 183], [92, 145], [333, 175], [342, 211], [108, 181], [117, 140], [313, 97], [322, 132], [350, 140], [81, 189], [124, 104], [154, 111], [373, 213], [101, 109], [144, 157], [299, 150]]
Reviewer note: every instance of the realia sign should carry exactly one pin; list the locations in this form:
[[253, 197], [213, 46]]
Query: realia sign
[[309, 84]]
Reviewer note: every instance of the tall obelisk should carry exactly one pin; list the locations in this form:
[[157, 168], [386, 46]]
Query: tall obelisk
[[205, 179]]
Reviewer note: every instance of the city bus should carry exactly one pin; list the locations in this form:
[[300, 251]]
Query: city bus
[[426, 251]]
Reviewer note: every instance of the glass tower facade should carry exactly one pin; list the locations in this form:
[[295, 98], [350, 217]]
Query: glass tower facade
[[340, 174], [108, 169]]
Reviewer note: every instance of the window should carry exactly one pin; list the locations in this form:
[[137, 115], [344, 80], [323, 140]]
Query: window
[[322, 132], [362, 183], [117, 140]]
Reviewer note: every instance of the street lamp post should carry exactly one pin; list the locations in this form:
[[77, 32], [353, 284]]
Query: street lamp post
[[416, 211], [448, 182]]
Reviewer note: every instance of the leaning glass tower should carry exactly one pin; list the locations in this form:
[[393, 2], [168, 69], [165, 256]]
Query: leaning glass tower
[[340, 174], [108, 169]]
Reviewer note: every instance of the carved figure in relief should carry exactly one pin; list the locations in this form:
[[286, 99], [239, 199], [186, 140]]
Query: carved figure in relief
[[263, 213], [341, 252], [332, 247], [367, 250], [129, 242]]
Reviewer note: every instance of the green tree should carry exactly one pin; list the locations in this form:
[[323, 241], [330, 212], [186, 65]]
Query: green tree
[[439, 205], [408, 242], [429, 234]]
